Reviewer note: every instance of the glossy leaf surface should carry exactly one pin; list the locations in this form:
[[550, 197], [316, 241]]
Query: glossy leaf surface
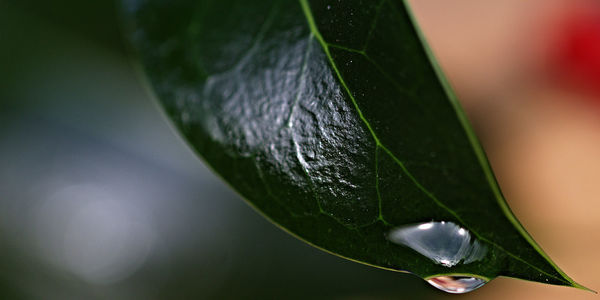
[[331, 119]]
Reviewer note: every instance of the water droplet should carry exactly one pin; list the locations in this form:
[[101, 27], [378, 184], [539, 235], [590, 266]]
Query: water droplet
[[443, 242], [456, 284]]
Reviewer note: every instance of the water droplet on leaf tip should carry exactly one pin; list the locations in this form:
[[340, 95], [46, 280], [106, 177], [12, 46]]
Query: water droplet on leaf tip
[[456, 284], [444, 243]]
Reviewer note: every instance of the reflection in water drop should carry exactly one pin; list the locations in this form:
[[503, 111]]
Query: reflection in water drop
[[456, 284], [443, 242]]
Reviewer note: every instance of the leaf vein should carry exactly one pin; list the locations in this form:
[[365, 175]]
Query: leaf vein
[[313, 27], [302, 83], [373, 25]]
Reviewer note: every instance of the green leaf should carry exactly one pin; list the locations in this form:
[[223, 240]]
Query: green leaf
[[333, 120]]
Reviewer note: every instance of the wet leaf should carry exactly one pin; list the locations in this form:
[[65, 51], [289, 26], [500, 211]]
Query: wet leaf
[[331, 119]]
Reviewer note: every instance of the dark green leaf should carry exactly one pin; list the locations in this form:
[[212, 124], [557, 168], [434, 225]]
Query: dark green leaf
[[331, 119]]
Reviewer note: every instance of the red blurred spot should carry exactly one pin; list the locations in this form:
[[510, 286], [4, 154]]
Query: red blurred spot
[[578, 50]]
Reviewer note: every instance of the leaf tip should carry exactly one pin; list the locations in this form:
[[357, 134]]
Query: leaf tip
[[581, 287]]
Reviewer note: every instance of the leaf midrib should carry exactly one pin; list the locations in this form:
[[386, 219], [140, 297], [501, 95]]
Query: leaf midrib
[[315, 31]]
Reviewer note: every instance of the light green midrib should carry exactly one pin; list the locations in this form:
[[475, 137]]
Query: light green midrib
[[478, 149], [479, 152]]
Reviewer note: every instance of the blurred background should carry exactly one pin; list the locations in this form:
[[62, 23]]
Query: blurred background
[[101, 199]]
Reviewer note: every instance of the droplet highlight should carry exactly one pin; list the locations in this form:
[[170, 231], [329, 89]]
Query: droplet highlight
[[445, 243], [456, 284]]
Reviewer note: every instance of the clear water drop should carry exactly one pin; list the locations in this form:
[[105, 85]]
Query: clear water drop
[[456, 284], [445, 243]]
